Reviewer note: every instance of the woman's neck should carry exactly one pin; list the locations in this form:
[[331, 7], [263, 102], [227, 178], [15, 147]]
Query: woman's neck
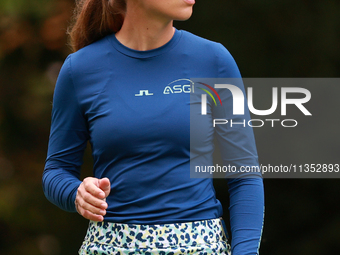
[[141, 32]]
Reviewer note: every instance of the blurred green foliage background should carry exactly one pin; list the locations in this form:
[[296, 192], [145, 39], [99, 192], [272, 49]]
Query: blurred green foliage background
[[279, 38]]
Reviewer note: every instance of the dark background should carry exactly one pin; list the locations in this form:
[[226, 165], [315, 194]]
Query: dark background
[[279, 38]]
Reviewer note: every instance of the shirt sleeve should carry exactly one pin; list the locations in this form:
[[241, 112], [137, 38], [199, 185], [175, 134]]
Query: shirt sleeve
[[67, 142], [238, 149]]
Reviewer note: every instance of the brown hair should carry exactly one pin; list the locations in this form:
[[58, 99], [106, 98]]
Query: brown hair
[[94, 19]]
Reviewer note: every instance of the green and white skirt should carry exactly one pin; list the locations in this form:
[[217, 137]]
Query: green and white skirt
[[199, 237]]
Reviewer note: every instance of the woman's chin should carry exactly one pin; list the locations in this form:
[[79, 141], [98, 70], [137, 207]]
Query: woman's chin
[[185, 15], [191, 2]]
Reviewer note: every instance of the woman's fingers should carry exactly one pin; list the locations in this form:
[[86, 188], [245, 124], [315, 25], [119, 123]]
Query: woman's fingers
[[89, 200], [105, 186], [92, 204], [91, 185], [88, 215]]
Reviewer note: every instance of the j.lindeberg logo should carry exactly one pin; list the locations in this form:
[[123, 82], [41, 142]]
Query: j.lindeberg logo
[[144, 92]]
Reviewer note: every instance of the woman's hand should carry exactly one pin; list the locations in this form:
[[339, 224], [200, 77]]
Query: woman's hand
[[90, 200]]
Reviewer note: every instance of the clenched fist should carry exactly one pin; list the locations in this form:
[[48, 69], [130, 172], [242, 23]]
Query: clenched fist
[[90, 200]]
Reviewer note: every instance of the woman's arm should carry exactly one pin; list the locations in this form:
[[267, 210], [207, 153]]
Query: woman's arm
[[246, 215], [237, 147], [67, 142]]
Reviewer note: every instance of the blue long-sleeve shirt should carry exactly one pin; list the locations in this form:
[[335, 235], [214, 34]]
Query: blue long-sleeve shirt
[[138, 123]]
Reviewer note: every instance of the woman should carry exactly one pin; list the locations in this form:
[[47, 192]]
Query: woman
[[124, 91]]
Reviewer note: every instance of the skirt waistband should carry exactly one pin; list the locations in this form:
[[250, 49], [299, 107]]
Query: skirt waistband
[[156, 236]]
